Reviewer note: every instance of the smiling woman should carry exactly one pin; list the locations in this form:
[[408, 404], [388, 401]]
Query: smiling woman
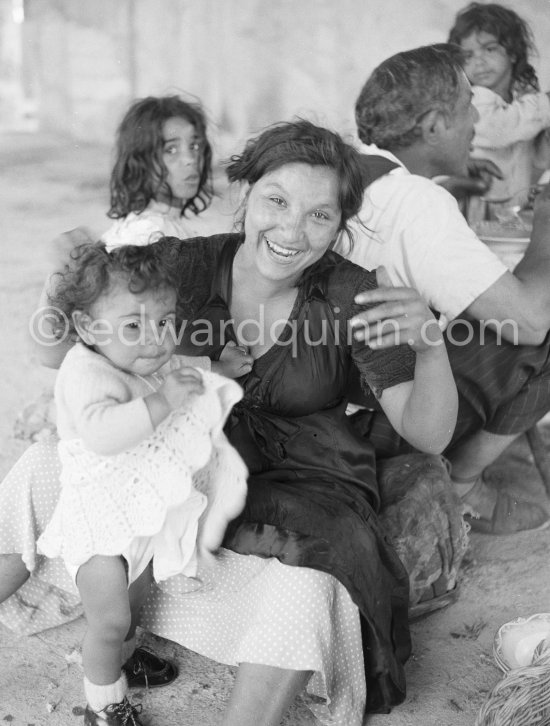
[[306, 590], [290, 229], [292, 217]]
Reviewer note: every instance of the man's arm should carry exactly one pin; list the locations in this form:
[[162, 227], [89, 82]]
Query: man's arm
[[524, 296], [480, 177], [427, 244]]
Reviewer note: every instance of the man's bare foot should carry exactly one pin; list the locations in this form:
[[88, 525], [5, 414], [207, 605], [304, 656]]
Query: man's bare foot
[[481, 497]]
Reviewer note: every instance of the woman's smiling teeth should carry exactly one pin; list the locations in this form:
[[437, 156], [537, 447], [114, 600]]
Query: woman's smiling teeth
[[281, 251]]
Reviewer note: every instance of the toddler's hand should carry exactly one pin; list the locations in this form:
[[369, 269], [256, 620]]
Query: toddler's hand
[[179, 385], [234, 362]]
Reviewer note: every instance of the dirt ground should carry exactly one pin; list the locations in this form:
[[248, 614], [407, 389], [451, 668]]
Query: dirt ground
[[48, 186]]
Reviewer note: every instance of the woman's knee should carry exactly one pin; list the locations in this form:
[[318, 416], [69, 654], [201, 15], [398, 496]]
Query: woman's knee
[[308, 585], [13, 574]]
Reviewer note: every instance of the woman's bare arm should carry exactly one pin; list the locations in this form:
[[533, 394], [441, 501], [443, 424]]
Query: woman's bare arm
[[423, 410]]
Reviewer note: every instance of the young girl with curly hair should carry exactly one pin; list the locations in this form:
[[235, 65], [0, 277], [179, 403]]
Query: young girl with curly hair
[[513, 113], [142, 451], [162, 175]]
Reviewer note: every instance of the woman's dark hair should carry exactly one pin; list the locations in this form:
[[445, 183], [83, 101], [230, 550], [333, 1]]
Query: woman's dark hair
[[139, 173], [402, 90], [513, 33], [302, 142], [92, 270]]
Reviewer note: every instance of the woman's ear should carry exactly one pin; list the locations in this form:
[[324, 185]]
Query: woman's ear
[[240, 207], [83, 324], [243, 187], [244, 193]]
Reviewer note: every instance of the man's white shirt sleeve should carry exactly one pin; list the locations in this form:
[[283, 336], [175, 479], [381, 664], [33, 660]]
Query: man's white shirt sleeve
[[415, 229]]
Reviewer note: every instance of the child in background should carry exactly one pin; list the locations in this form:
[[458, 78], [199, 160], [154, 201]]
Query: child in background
[[162, 171], [141, 447], [513, 112]]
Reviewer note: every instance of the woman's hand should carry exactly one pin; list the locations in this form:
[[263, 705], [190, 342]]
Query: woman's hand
[[401, 316], [423, 410], [234, 362]]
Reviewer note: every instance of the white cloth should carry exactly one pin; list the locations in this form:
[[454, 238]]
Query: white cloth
[[506, 134], [415, 229], [155, 484], [157, 219]]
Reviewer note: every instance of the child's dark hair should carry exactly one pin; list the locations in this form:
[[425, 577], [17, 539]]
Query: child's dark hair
[[92, 270], [139, 173], [513, 33]]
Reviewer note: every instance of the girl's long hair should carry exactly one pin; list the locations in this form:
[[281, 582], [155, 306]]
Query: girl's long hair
[[511, 31], [139, 173]]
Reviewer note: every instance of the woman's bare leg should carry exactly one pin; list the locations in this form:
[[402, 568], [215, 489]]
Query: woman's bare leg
[[13, 574], [262, 695]]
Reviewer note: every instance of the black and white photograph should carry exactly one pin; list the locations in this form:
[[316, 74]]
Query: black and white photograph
[[275, 303]]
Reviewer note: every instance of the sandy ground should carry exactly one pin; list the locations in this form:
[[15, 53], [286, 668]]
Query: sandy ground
[[48, 186]]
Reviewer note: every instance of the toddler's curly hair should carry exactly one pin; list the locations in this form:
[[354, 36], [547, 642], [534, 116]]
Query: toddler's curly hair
[[92, 271]]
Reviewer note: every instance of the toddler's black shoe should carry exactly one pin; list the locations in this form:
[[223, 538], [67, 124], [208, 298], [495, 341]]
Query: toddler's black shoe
[[145, 669], [116, 714]]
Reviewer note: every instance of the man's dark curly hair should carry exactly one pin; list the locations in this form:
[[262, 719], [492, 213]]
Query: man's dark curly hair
[[139, 173], [513, 33], [92, 271]]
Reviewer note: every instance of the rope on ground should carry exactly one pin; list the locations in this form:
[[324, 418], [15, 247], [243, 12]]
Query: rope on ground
[[522, 697]]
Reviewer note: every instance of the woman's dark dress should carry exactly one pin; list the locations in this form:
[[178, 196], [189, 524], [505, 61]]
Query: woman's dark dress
[[312, 490], [313, 495]]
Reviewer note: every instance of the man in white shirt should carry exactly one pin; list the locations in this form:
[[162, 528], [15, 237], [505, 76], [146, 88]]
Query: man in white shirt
[[416, 109]]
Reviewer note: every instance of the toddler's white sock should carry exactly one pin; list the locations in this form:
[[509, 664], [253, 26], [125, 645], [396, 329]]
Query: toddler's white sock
[[98, 697]]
